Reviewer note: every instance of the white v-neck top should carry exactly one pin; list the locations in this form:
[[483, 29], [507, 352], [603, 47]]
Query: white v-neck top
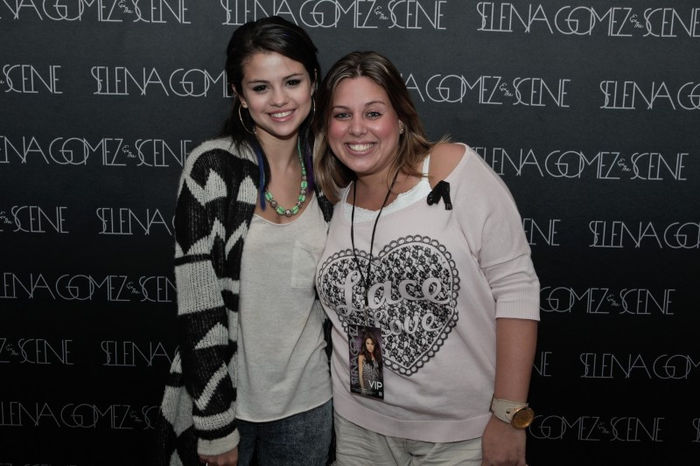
[[282, 364]]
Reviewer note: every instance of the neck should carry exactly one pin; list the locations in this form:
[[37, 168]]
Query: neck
[[281, 153], [372, 190], [372, 186]]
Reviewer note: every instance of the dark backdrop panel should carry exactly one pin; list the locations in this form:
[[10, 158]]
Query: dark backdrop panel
[[590, 111]]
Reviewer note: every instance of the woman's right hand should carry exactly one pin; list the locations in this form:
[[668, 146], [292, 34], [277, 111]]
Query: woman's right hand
[[230, 458]]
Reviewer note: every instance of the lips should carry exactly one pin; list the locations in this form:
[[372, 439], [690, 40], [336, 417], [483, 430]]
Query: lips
[[359, 147], [281, 115]]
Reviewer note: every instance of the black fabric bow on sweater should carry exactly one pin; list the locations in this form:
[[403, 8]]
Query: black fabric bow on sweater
[[441, 191]]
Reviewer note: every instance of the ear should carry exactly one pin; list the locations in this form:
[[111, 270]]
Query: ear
[[240, 97]]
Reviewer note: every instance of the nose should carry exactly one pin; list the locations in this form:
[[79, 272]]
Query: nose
[[357, 127], [279, 97]]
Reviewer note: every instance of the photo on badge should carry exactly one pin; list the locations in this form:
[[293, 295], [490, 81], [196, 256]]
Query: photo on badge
[[366, 365]]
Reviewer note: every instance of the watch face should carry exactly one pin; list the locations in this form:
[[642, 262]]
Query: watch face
[[523, 418]]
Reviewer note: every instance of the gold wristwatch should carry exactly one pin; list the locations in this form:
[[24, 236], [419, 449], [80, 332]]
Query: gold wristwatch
[[515, 413]]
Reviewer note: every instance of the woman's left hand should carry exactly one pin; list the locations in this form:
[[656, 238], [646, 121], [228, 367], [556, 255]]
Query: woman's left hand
[[502, 444]]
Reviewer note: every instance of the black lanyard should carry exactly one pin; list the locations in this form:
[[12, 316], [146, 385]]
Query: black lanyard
[[365, 278]]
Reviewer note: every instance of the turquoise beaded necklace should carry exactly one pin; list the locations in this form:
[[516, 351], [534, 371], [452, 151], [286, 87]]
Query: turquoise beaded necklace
[[302, 191]]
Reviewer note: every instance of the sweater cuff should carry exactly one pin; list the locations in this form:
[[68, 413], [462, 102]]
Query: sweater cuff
[[518, 310], [219, 445]]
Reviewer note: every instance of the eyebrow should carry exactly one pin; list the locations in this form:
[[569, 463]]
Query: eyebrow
[[366, 105], [293, 75]]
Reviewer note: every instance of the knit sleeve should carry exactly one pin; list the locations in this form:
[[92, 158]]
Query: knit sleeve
[[492, 224], [207, 294]]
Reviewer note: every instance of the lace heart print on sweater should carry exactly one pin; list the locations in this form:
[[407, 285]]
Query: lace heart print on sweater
[[412, 297]]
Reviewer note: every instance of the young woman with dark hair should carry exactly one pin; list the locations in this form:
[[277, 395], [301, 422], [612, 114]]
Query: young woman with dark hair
[[369, 365], [250, 379]]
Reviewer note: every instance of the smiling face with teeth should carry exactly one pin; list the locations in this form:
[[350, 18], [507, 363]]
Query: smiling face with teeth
[[363, 130], [277, 92]]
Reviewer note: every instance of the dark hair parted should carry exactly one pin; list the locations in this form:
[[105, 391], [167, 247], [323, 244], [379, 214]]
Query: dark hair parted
[[331, 174], [265, 35]]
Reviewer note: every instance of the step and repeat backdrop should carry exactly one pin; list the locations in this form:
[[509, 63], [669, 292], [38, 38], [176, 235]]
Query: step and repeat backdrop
[[590, 111]]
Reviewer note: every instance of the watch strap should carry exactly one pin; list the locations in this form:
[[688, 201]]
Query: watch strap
[[504, 409]]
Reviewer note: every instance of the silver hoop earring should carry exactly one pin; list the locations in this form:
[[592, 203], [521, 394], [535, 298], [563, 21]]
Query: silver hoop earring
[[240, 117]]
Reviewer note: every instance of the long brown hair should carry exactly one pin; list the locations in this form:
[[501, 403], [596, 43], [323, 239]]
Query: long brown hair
[[331, 174]]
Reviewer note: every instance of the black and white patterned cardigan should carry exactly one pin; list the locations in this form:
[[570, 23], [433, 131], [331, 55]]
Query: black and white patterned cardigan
[[217, 196]]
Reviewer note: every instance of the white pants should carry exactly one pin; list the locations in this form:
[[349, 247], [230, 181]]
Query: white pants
[[357, 446]]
